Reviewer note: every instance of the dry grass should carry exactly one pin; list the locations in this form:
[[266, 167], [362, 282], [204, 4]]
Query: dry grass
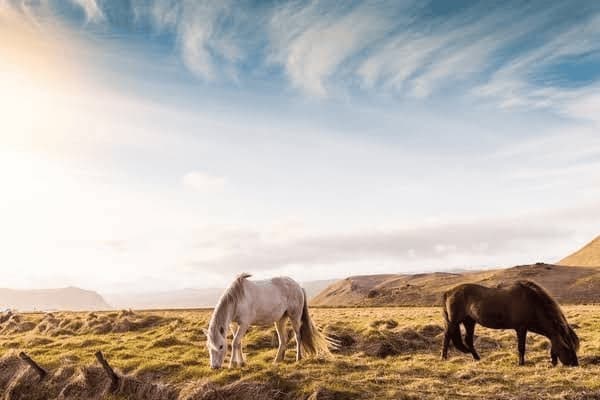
[[387, 353]]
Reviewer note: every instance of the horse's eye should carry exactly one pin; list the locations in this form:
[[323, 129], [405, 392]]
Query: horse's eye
[[222, 330], [221, 347]]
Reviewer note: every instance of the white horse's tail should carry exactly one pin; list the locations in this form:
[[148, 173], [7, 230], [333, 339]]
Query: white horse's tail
[[313, 342]]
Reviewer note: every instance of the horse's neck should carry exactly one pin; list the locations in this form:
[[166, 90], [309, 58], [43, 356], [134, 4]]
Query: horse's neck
[[224, 313]]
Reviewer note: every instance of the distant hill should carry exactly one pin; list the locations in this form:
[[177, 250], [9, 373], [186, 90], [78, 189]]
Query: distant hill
[[184, 298], [313, 288], [70, 298], [188, 298], [567, 284], [587, 256]]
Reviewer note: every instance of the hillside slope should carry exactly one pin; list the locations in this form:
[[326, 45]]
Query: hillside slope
[[587, 256], [70, 298], [567, 284]]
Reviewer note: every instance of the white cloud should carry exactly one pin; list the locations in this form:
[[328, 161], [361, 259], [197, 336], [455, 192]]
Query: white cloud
[[512, 86], [312, 43], [202, 41], [92, 11], [585, 106], [485, 242], [202, 182]]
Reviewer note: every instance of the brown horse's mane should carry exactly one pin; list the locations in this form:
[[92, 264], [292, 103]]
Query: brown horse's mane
[[552, 310]]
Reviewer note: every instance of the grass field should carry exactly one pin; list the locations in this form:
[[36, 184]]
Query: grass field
[[387, 353]]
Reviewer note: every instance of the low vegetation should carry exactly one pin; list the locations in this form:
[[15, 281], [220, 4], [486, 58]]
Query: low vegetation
[[385, 353]]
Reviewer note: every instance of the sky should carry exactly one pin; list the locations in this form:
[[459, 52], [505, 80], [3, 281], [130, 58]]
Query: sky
[[159, 145]]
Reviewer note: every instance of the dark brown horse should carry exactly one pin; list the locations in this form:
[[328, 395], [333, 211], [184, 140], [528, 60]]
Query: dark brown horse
[[523, 306]]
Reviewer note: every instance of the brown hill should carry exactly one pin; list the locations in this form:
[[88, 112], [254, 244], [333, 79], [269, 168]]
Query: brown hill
[[567, 284], [587, 256], [70, 298]]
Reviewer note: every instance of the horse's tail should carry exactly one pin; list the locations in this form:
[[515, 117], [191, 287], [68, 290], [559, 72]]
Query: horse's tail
[[312, 341], [453, 329]]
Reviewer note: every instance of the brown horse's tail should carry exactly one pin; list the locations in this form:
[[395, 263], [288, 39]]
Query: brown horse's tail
[[454, 330], [312, 341]]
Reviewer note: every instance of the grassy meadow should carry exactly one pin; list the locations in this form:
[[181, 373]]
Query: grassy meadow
[[387, 353]]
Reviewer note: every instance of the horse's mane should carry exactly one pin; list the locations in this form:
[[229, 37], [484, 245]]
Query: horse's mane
[[552, 311], [231, 296]]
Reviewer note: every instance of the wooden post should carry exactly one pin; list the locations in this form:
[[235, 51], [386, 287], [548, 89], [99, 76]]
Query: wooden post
[[114, 378], [40, 371]]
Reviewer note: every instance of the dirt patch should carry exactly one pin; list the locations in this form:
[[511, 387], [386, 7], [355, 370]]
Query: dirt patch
[[385, 343], [343, 340], [13, 323], [168, 341], [5, 316], [234, 391], [38, 341], [61, 325], [431, 330], [590, 360], [486, 343], [20, 382], [388, 324], [326, 394], [584, 396]]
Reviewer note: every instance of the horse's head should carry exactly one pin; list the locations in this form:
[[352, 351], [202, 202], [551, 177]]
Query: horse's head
[[565, 346], [216, 342]]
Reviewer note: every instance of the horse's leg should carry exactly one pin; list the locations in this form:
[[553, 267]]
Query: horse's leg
[[451, 327], [234, 356], [554, 358], [521, 337], [296, 324], [445, 344], [282, 336], [236, 345], [469, 324]]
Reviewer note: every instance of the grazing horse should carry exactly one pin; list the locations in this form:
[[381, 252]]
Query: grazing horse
[[248, 303], [522, 306]]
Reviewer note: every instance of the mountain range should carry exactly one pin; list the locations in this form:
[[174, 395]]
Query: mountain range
[[574, 279], [69, 298]]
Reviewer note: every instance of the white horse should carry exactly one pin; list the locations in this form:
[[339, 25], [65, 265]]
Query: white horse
[[248, 303]]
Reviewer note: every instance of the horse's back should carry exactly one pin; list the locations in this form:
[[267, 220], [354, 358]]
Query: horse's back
[[269, 300], [464, 291], [497, 307]]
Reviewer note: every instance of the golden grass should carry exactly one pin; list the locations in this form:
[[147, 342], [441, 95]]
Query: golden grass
[[171, 349]]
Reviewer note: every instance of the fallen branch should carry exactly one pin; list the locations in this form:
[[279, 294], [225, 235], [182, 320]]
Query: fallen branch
[[114, 378], [40, 371]]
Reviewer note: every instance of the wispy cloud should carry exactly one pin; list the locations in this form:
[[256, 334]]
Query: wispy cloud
[[518, 83], [207, 44], [485, 240], [499, 53], [91, 9], [313, 42]]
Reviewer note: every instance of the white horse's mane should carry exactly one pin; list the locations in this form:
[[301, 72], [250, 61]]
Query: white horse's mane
[[231, 296]]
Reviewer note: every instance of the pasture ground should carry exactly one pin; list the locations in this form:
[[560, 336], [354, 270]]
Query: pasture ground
[[387, 353]]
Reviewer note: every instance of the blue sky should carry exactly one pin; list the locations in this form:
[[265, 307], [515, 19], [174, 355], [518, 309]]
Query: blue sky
[[179, 143]]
